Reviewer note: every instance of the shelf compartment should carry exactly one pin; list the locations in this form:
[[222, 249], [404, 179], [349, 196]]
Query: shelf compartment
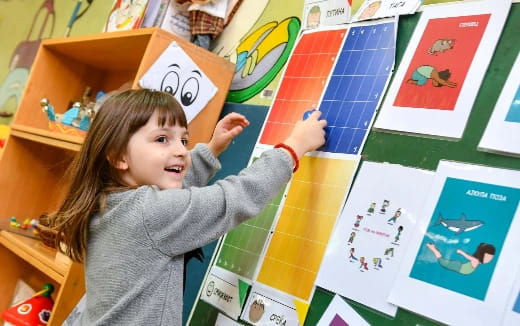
[[34, 183]]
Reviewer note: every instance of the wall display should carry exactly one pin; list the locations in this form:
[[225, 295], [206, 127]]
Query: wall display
[[503, 130], [373, 9], [291, 234], [512, 311], [437, 81], [259, 40], [126, 15], [343, 74], [371, 236], [176, 73], [460, 258], [339, 313], [320, 13]]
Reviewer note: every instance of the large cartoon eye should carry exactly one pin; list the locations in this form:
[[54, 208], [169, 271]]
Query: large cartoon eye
[[189, 91], [170, 82]]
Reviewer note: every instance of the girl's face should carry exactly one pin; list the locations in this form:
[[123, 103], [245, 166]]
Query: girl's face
[[487, 258], [156, 155]]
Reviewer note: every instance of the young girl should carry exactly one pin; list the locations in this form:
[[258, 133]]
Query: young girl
[[483, 255], [138, 202]]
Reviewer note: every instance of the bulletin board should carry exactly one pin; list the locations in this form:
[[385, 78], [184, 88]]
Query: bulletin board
[[422, 153]]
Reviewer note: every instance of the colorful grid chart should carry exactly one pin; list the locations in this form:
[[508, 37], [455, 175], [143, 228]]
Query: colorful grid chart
[[357, 85], [303, 83], [242, 247], [347, 85], [314, 200]]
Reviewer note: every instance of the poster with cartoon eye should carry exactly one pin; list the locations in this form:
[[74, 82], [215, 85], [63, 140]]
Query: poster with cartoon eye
[[436, 84], [460, 258], [339, 313], [372, 233], [503, 130], [176, 73]]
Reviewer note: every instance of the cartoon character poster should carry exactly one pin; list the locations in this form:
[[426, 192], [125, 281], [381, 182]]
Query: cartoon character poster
[[437, 81], [176, 73], [458, 266], [374, 228], [440, 64], [465, 236]]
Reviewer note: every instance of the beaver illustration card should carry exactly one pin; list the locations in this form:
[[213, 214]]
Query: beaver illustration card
[[436, 84]]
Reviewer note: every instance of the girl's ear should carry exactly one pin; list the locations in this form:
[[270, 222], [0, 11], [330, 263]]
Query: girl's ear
[[120, 164]]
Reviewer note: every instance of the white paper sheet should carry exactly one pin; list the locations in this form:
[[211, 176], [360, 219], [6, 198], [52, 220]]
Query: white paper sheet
[[176, 73], [451, 45], [512, 312], [339, 313], [373, 9], [472, 212], [370, 239], [502, 133]]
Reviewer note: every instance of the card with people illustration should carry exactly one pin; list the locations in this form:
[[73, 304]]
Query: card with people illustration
[[371, 236], [436, 84], [460, 259]]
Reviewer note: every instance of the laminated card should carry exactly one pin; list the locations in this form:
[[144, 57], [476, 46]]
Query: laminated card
[[502, 133], [460, 260], [371, 236], [435, 86], [176, 73]]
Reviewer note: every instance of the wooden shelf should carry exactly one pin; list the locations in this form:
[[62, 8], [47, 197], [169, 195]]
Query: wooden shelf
[[50, 138], [37, 153], [36, 253]]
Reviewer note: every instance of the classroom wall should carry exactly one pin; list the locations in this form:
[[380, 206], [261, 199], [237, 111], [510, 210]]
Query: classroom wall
[[23, 24]]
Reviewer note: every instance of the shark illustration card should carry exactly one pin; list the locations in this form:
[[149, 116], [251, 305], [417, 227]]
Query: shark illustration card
[[437, 81], [372, 233], [503, 130], [460, 257]]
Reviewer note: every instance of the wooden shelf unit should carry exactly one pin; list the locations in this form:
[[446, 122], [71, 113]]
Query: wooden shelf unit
[[35, 157]]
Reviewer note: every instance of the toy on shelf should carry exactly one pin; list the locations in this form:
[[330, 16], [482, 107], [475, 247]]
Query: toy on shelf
[[75, 121], [34, 311]]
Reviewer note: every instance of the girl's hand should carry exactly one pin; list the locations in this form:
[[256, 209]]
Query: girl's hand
[[307, 135], [226, 129]]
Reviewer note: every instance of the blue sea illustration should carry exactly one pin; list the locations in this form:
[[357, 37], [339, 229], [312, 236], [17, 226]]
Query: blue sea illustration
[[471, 219]]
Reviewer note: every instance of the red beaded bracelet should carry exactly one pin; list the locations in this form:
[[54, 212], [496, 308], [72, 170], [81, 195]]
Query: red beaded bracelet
[[293, 154]]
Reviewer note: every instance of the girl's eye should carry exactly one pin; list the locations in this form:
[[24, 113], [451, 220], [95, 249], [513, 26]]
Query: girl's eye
[[161, 139], [184, 141]]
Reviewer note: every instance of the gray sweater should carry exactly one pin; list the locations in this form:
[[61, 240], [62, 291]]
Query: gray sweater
[[134, 262]]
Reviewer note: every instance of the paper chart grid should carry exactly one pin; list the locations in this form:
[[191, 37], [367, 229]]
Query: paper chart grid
[[242, 247], [303, 82], [357, 85], [313, 203]]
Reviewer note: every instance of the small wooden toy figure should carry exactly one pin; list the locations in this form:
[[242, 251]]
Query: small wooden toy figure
[[35, 311]]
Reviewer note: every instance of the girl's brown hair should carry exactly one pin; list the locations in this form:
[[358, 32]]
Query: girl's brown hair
[[93, 174], [483, 248]]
